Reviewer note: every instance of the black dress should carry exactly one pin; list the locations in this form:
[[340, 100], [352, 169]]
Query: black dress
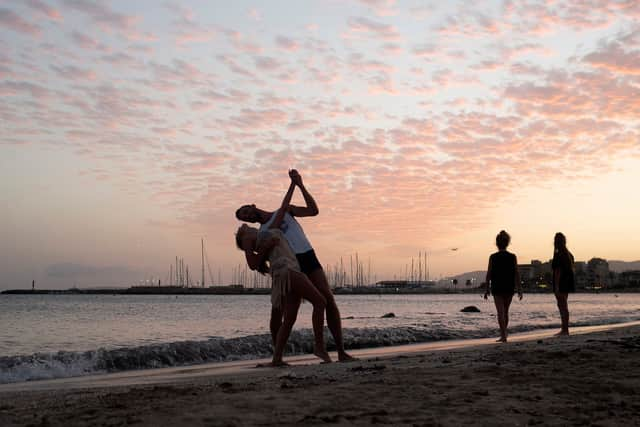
[[563, 261], [503, 273]]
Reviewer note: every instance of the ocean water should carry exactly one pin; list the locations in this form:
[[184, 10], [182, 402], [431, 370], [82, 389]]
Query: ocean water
[[51, 336]]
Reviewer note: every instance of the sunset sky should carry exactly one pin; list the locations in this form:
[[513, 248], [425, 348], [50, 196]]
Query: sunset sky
[[131, 129]]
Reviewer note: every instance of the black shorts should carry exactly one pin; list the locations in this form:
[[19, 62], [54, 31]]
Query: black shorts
[[308, 262]]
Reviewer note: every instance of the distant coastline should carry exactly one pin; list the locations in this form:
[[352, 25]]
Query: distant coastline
[[232, 290]]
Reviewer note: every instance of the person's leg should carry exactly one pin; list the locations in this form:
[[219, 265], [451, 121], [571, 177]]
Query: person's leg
[[319, 280], [302, 287], [507, 304], [563, 307], [274, 323], [499, 302], [290, 309]]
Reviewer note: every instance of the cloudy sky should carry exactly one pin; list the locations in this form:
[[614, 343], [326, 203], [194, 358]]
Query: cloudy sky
[[131, 129]]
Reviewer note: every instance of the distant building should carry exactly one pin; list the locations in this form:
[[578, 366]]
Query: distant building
[[526, 272], [405, 284], [580, 274], [536, 274], [629, 278], [536, 266], [598, 273]]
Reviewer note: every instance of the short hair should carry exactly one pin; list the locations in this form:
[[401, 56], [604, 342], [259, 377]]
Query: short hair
[[239, 209], [503, 239]]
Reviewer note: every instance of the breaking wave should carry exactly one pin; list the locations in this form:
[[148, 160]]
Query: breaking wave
[[63, 364]]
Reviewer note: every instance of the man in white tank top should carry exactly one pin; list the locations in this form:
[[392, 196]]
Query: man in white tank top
[[305, 254]]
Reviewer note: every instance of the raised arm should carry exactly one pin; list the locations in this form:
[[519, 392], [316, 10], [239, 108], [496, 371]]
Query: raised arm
[[311, 208], [284, 208]]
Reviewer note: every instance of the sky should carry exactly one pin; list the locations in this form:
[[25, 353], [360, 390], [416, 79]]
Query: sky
[[129, 130]]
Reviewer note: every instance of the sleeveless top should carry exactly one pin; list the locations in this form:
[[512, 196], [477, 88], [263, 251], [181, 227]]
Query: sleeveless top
[[292, 232], [503, 273], [282, 260]]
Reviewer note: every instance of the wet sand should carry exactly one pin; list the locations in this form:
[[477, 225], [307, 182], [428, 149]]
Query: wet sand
[[589, 378]]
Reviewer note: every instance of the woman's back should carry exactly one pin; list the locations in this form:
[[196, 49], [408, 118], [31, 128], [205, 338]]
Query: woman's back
[[563, 262], [503, 272]]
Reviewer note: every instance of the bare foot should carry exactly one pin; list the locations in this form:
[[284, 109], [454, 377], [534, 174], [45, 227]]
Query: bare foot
[[344, 357], [563, 334], [323, 355], [502, 339]]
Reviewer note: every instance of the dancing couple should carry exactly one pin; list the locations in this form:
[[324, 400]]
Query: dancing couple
[[503, 279], [295, 270]]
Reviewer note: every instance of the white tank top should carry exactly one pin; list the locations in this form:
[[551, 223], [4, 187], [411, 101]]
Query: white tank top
[[292, 232]]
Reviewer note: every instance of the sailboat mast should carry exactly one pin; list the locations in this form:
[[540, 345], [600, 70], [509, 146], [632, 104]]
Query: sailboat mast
[[202, 282]]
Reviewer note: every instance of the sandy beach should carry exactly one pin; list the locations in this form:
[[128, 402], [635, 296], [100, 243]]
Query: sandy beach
[[589, 378]]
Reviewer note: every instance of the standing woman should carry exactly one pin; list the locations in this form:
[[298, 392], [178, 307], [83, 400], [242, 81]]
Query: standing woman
[[504, 278], [563, 278]]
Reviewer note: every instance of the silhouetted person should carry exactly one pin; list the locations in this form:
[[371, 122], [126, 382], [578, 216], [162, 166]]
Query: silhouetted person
[[563, 278], [33, 285], [305, 254], [504, 278]]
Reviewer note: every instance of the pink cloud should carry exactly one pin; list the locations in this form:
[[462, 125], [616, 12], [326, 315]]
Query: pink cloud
[[238, 40], [289, 77], [121, 59], [258, 119], [101, 15], [211, 98], [266, 63], [73, 73], [286, 43], [424, 50], [234, 67], [550, 17], [489, 65], [195, 36], [271, 100], [357, 62], [615, 58], [188, 30], [44, 9], [366, 26], [13, 88], [87, 42], [472, 24], [13, 21], [299, 125]]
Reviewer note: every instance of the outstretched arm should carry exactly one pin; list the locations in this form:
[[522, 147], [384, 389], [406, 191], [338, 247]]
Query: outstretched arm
[[284, 208], [311, 208]]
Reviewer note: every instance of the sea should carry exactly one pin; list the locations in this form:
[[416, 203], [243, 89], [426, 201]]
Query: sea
[[57, 336]]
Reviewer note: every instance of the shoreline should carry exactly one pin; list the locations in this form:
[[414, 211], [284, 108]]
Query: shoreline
[[228, 290], [590, 377], [213, 369]]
